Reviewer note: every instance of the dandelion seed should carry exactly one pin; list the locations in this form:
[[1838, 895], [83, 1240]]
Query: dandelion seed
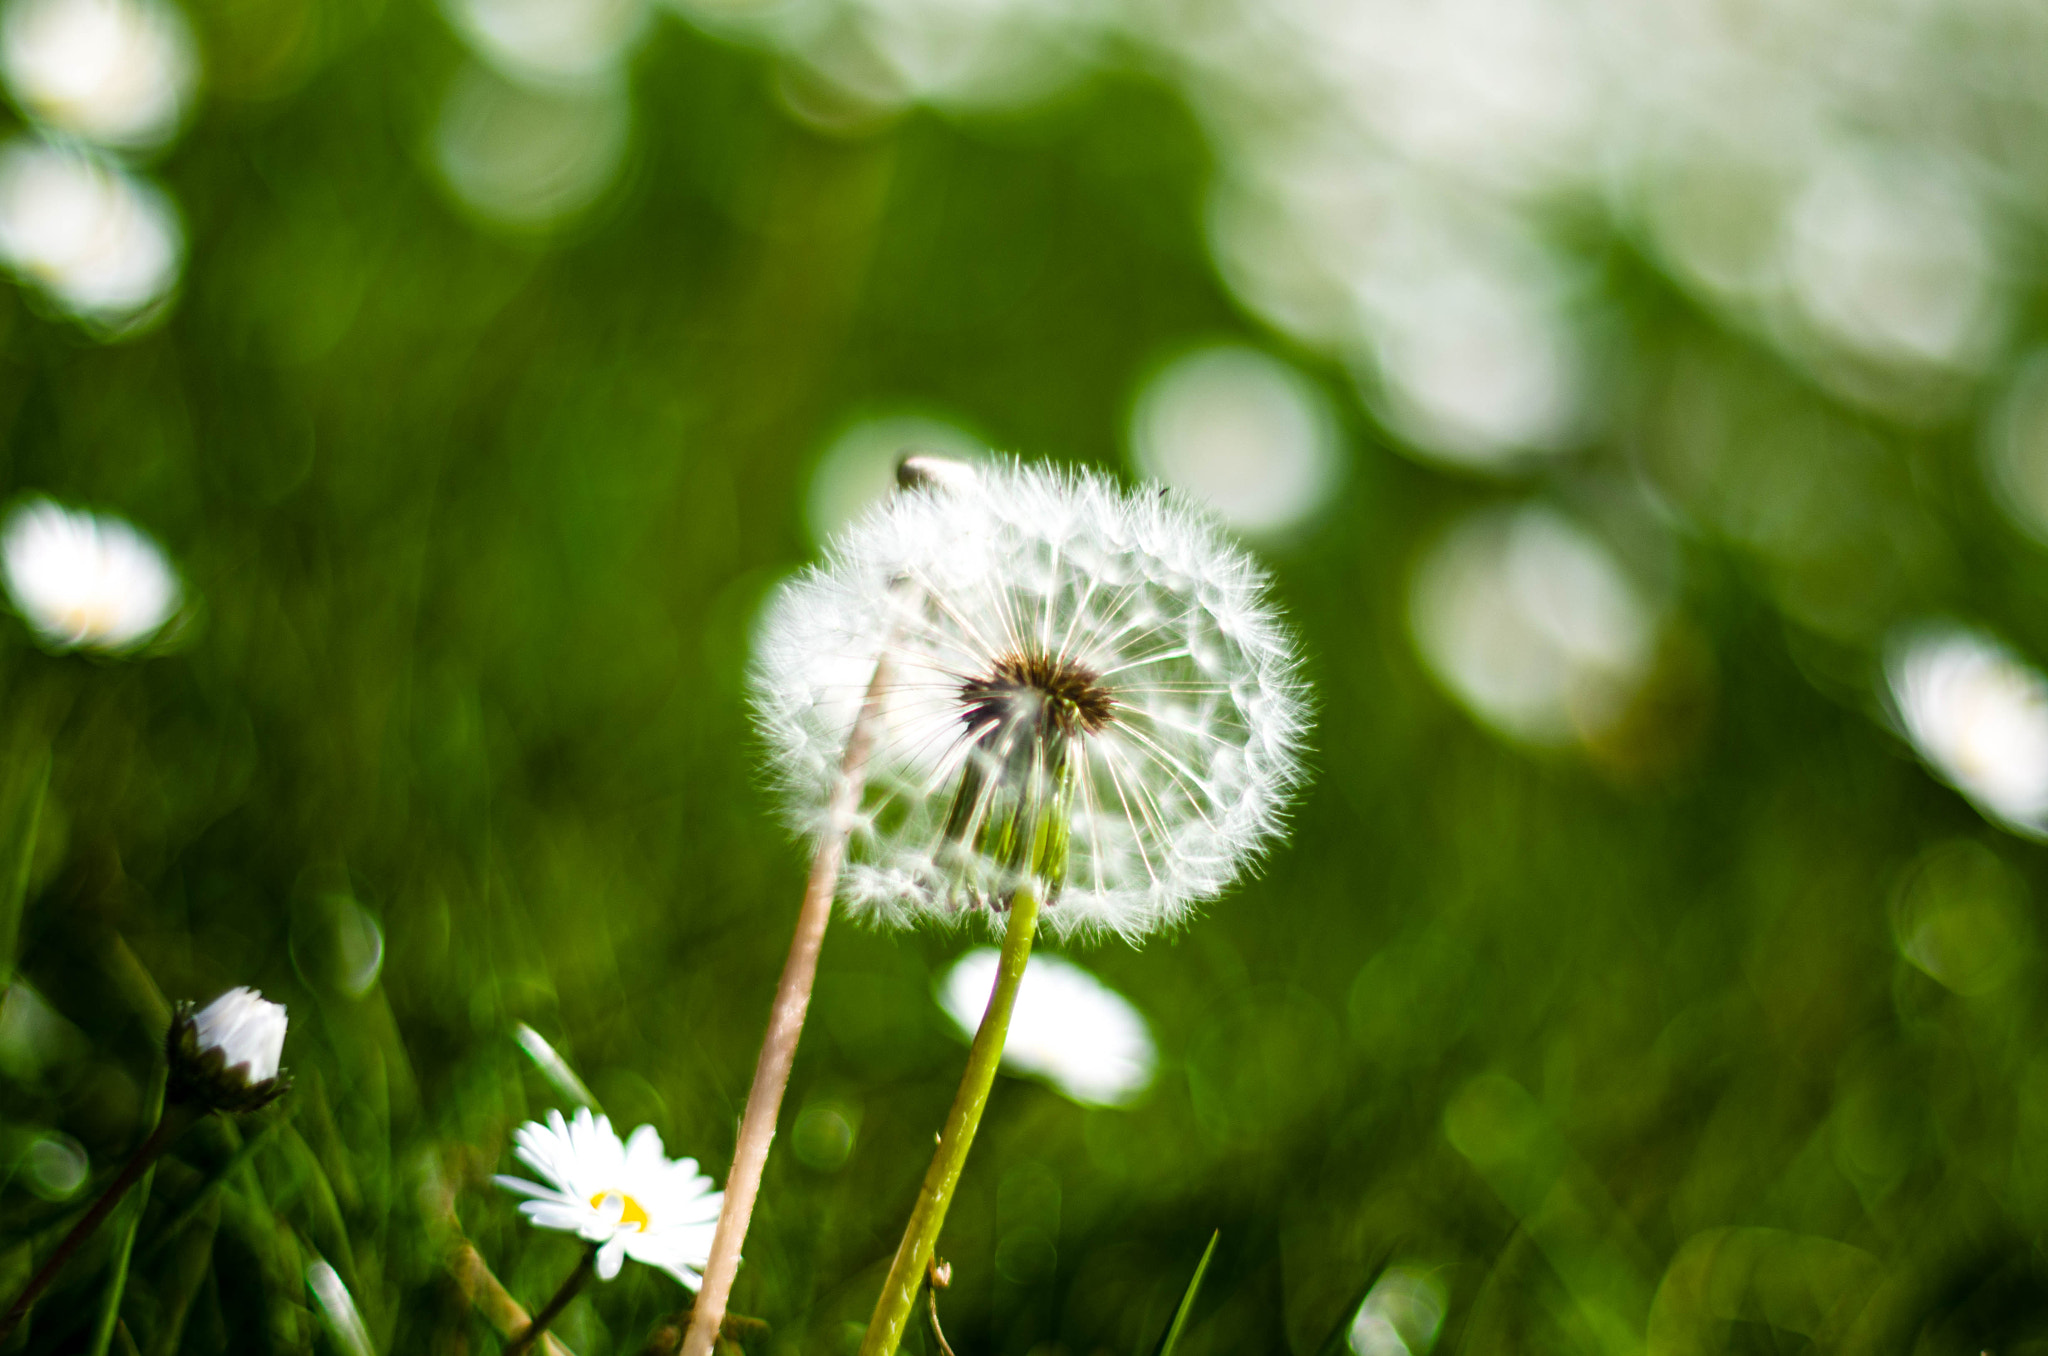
[[628, 1198], [1979, 716], [85, 581], [1081, 689]]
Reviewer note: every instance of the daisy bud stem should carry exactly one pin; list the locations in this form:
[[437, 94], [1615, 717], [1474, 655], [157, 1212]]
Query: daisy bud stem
[[176, 1116], [785, 1027], [552, 1310], [921, 1235]]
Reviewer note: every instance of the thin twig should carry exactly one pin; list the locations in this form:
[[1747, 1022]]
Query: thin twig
[[552, 1310], [785, 1027], [471, 1274], [175, 1117]]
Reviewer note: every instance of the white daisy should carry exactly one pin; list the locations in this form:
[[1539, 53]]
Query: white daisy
[[626, 1197], [85, 581], [1081, 688]]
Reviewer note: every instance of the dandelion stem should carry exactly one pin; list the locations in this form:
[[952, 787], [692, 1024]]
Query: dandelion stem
[[176, 1116], [921, 1234], [785, 1027], [552, 1310]]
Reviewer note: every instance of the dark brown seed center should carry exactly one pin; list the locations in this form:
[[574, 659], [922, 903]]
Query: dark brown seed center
[[1038, 690]]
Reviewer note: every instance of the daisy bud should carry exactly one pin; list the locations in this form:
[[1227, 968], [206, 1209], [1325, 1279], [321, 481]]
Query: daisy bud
[[225, 1056], [1080, 689]]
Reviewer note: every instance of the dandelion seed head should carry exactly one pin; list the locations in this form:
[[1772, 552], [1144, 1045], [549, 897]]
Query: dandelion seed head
[[1079, 687]]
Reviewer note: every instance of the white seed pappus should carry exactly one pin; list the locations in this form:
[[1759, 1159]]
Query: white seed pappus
[[1080, 687]]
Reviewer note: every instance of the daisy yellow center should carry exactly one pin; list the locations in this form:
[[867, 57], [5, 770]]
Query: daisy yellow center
[[88, 621], [633, 1214]]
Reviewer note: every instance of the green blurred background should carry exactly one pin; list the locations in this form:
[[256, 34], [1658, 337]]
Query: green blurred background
[[1658, 1001]]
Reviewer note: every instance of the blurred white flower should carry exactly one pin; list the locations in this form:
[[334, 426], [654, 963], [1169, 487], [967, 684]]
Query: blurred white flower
[[1532, 624], [1068, 1026], [960, 54], [103, 244], [117, 72], [247, 1030], [1471, 351], [83, 580], [551, 42], [1891, 256], [529, 158], [1979, 716], [1084, 689], [627, 1197], [1401, 1315], [1243, 432]]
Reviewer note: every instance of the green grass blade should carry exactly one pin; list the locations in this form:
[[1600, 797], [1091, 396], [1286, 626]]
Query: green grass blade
[[20, 850], [1187, 1301], [573, 1091], [211, 1184], [117, 1280]]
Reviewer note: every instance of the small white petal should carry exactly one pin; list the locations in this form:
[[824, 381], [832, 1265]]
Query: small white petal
[[611, 1257], [248, 1032]]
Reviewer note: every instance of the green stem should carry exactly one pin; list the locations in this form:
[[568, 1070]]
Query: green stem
[[921, 1234], [175, 1117], [553, 1310]]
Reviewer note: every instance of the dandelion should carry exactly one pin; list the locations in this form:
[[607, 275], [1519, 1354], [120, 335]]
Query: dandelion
[[83, 580], [1069, 1027], [1009, 686], [224, 1057], [626, 1199], [1084, 689], [1979, 716]]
